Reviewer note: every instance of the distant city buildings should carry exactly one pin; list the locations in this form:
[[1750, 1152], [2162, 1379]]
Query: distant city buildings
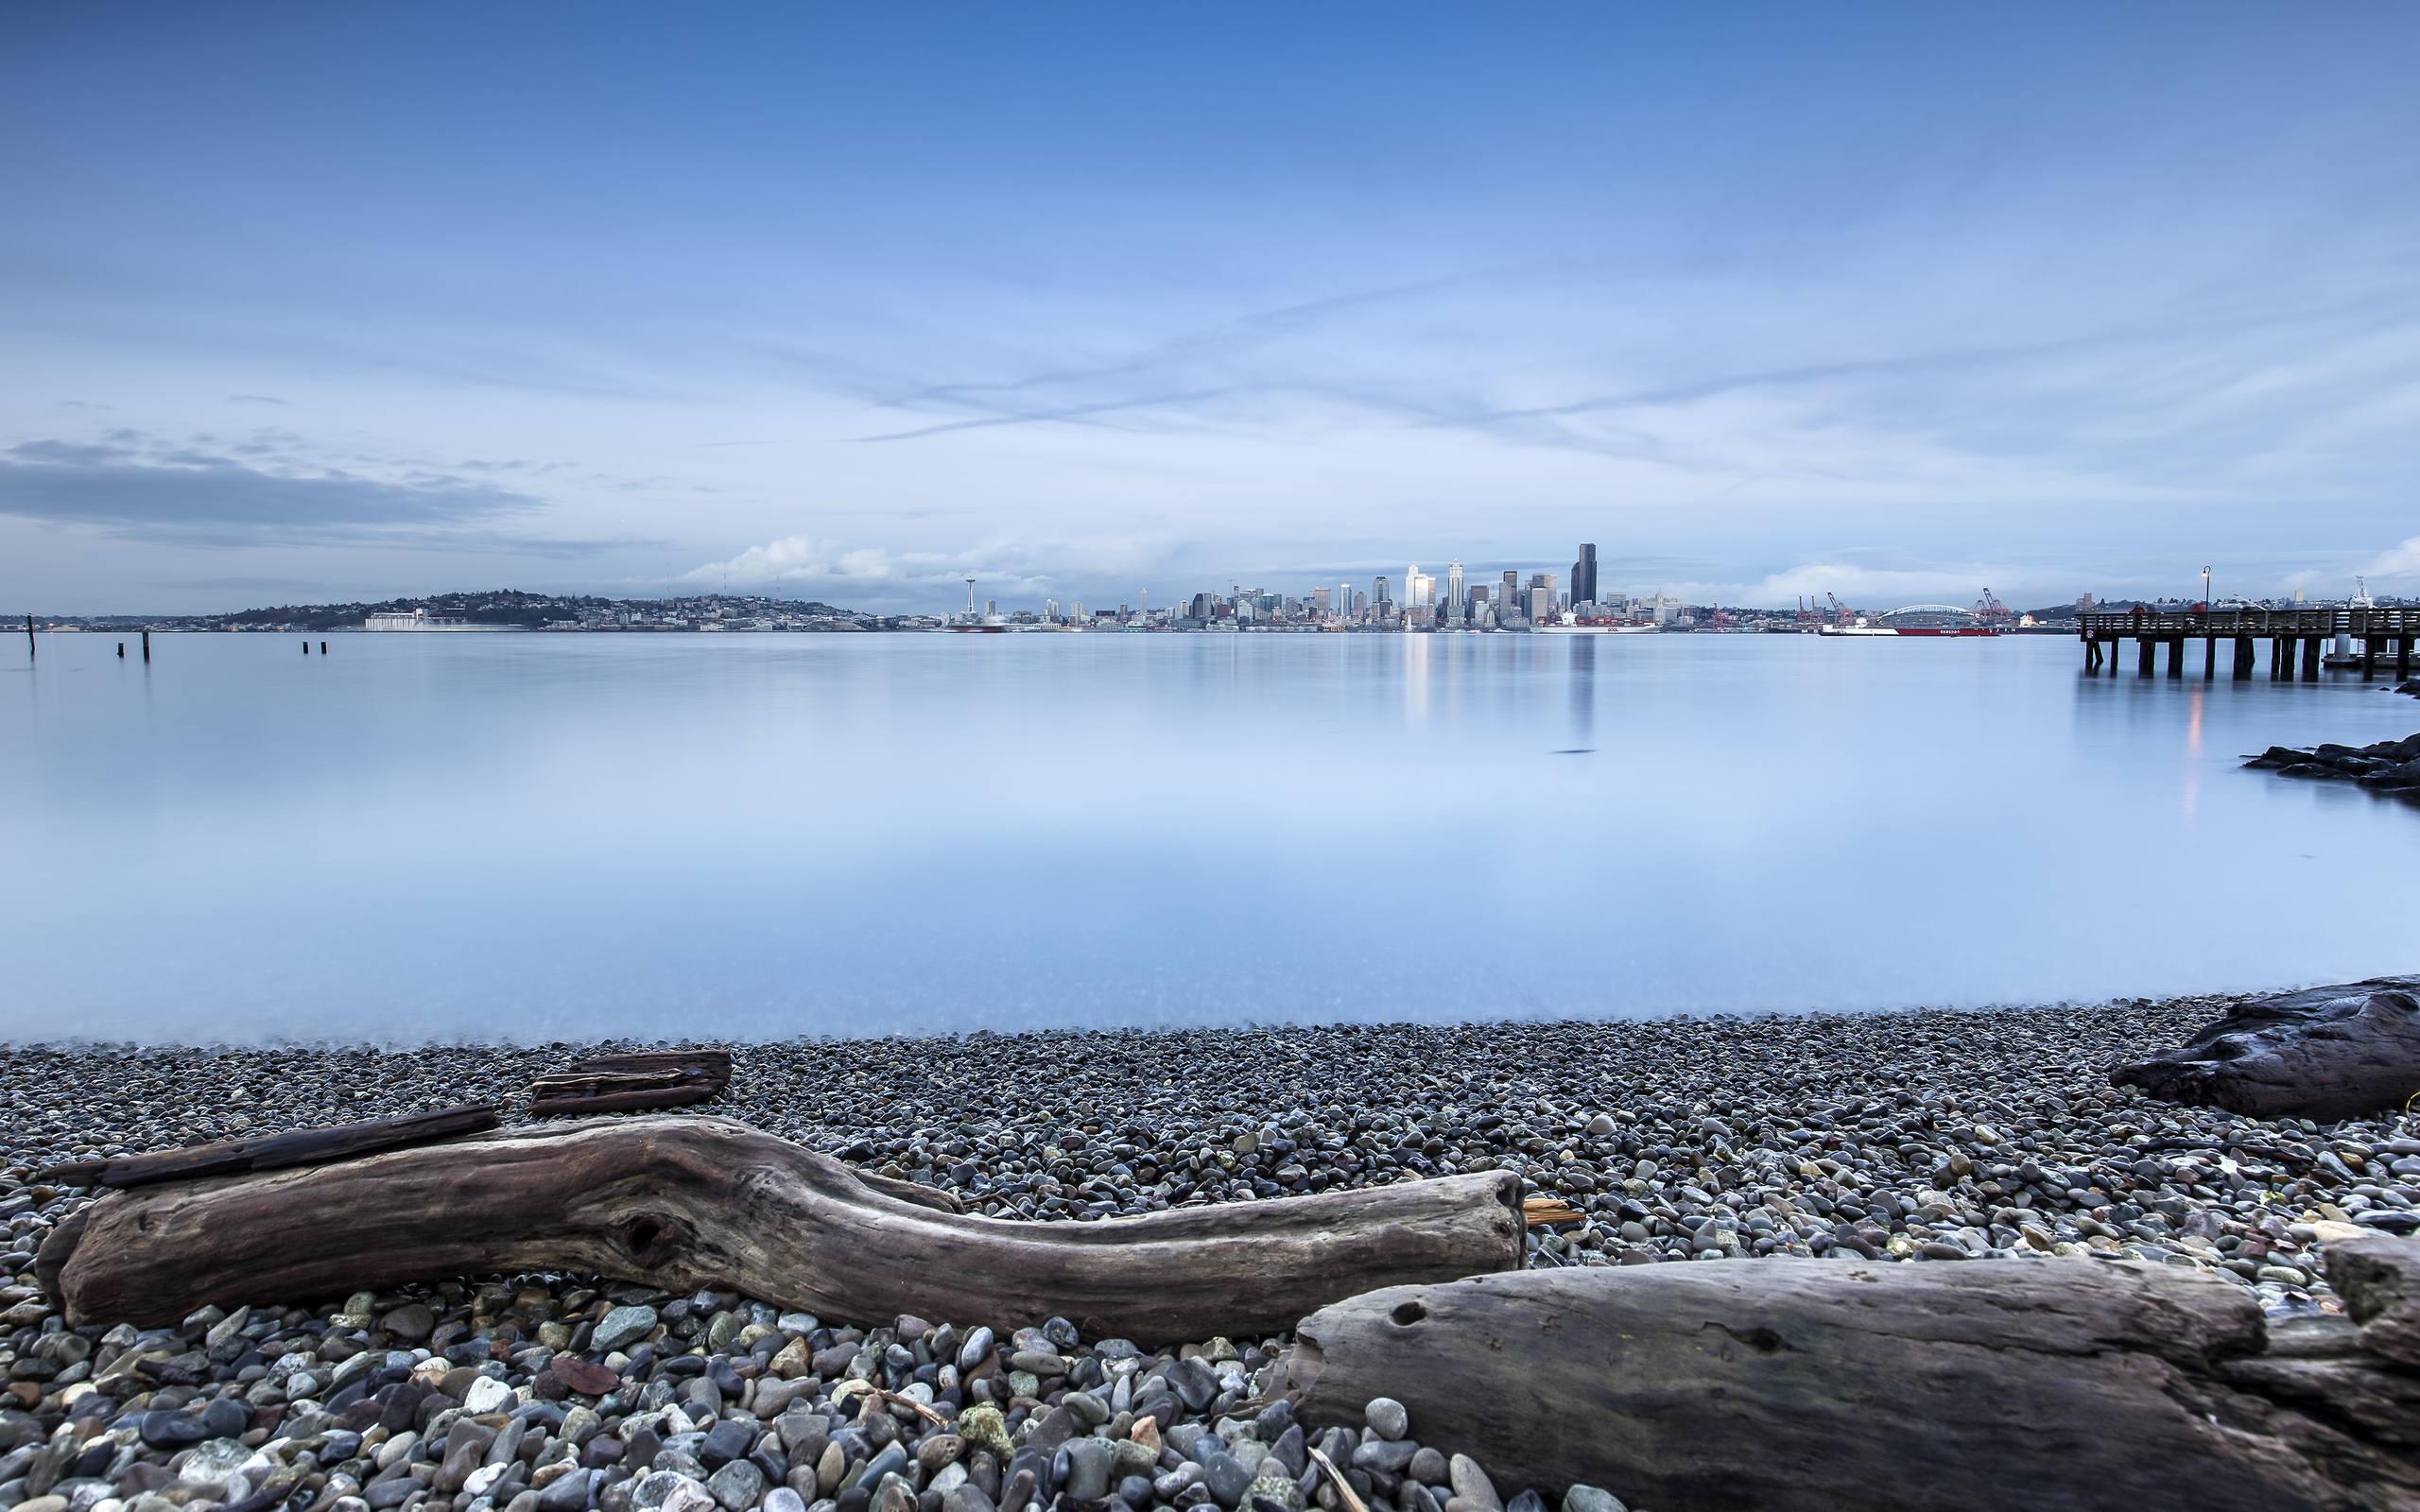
[[1514, 599]]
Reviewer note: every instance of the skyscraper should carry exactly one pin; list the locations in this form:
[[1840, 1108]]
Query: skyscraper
[[1453, 592], [1584, 574]]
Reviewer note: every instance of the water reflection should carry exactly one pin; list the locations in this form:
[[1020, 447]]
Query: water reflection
[[1583, 689]]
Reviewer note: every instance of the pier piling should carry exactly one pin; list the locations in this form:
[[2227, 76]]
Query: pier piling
[[121, 650], [29, 638], [147, 645]]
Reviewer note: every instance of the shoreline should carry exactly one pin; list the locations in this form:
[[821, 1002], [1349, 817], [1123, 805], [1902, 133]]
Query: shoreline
[[2213, 1002], [1928, 1136]]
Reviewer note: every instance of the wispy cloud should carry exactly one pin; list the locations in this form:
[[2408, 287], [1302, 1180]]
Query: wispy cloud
[[258, 399]]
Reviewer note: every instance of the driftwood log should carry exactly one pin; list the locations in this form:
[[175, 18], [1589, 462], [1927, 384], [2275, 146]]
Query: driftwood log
[[274, 1152], [622, 1084], [688, 1202], [1823, 1384], [2324, 1053]]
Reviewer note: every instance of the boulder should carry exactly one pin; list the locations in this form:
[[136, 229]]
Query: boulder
[[2324, 1053], [2394, 778], [2380, 1279]]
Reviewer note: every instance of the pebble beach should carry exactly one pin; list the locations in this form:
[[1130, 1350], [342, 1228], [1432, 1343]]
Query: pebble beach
[[1927, 1137]]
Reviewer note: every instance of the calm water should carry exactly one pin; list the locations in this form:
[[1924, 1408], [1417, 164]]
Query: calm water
[[541, 836]]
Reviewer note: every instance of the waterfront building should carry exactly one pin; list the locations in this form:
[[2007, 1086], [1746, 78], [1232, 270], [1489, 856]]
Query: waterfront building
[[1454, 599], [1511, 592], [1584, 574]]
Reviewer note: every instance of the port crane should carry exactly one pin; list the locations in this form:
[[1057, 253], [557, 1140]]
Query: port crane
[[1989, 610]]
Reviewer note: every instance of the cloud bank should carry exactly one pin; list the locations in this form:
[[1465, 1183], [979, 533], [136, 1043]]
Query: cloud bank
[[141, 487]]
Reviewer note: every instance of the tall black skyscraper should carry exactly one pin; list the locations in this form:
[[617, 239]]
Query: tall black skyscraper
[[1584, 574]]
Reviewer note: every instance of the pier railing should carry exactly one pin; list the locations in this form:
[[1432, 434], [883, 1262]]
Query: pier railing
[[2256, 623]]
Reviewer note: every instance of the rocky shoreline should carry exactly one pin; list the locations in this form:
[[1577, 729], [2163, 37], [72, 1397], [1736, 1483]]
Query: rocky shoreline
[[1931, 1137]]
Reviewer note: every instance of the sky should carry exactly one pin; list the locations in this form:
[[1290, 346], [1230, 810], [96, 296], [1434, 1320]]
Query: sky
[[303, 302]]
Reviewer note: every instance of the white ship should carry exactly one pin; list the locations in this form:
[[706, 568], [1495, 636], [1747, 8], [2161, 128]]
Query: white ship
[[420, 619]]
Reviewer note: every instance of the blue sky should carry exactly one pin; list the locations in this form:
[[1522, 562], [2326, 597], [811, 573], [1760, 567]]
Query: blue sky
[[305, 301]]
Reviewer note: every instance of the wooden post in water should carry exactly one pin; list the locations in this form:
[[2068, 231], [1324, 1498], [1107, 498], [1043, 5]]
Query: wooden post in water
[[2146, 656], [2176, 656], [2277, 662], [121, 650], [2209, 657], [2310, 658], [2244, 652], [147, 645], [29, 638], [2403, 656], [324, 647]]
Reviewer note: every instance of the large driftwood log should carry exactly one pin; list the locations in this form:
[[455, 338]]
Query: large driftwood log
[[2326, 1052], [688, 1202], [1822, 1384], [274, 1152]]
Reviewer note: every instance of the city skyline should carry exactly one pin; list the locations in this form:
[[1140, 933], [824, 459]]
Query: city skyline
[[1893, 302]]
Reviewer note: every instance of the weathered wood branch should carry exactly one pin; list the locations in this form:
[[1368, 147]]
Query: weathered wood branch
[[274, 1152], [2326, 1052], [1823, 1384], [688, 1202], [569, 1094], [711, 1061], [619, 1084]]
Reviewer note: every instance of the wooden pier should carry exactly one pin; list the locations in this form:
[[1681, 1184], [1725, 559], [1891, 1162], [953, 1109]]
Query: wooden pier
[[2381, 639]]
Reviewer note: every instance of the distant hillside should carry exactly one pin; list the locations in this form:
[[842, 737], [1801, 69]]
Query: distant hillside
[[513, 607]]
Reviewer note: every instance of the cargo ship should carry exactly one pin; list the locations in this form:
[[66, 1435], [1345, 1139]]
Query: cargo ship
[[1944, 632]]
